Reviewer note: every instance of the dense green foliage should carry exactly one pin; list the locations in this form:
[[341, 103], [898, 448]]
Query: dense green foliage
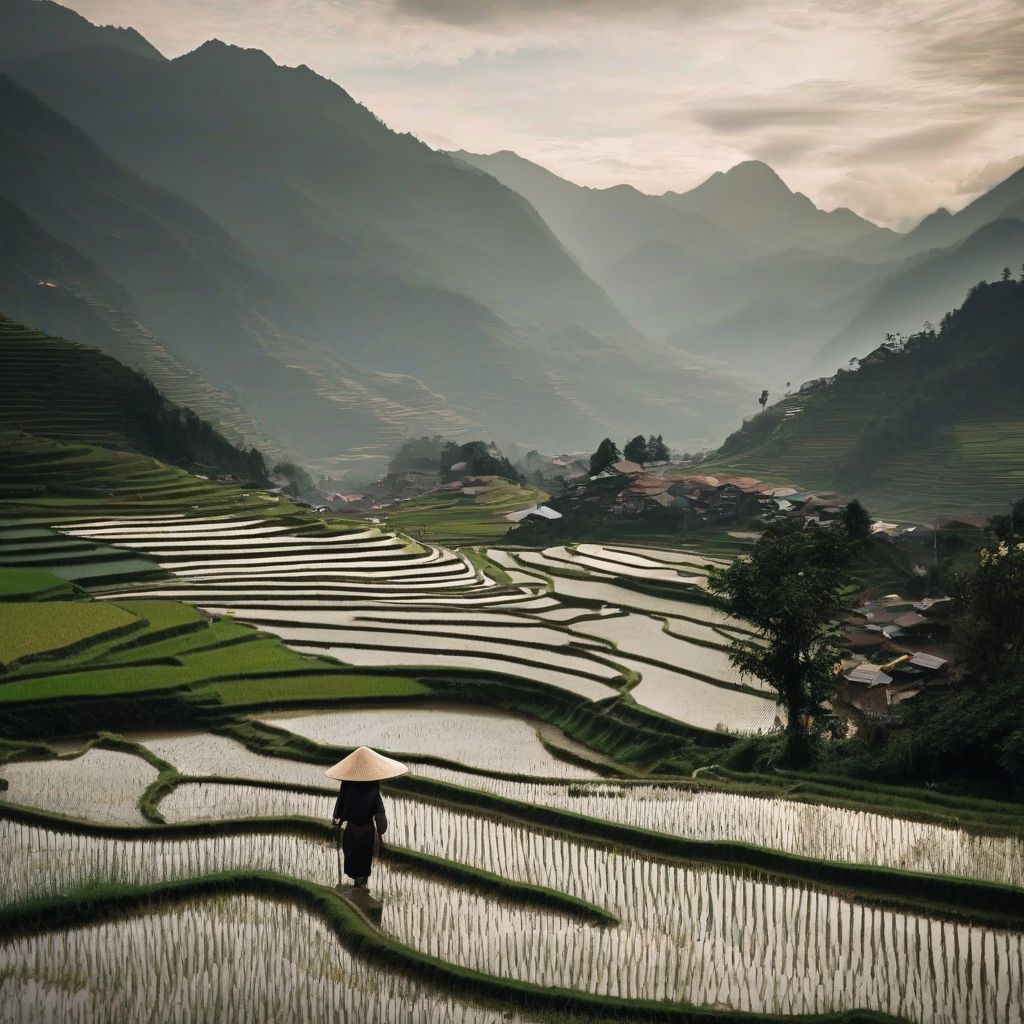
[[418, 455], [635, 449], [607, 453], [789, 588]]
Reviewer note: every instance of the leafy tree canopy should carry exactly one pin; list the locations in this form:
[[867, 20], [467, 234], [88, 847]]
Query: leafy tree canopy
[[788, 590], [418, 454], [856, 522], [657, 450], [636, 449], [1008, 527], [481, 459], [607, 453]]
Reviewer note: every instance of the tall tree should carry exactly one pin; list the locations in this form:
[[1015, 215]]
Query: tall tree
[[636, 449], [856, 520], [763, 400], [788, 590], [607, 453], [990, 626], [657, 450]]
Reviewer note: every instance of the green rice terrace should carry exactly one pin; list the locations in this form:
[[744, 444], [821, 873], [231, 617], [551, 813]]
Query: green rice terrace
[[181, 659]]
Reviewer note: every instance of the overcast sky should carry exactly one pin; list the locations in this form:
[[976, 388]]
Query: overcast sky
[[891, 107]]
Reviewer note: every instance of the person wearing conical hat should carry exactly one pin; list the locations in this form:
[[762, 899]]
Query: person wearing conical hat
[[360, 807]]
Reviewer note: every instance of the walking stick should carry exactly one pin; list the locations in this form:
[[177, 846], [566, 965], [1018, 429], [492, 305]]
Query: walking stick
[[337, 849]]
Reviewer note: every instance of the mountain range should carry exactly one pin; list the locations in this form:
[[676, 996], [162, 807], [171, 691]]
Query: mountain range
[[743, 269], [345, 281], [272, 255]]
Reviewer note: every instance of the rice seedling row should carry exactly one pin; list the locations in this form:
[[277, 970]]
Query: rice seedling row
[[102, 785], [811, 830], [700, 934], [211, 959]]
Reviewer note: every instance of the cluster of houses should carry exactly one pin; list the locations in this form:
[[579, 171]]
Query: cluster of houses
[[663, 487], [898, 649]]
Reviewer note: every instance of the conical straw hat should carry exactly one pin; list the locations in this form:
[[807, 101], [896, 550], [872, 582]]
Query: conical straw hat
[[366, 765]]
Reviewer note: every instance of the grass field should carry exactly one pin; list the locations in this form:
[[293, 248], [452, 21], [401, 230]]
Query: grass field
[[30, 630], [32, 585], [93, 649]]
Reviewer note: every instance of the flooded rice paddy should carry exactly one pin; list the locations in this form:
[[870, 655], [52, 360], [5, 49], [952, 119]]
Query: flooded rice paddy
[[213, 960], [102, 785], [687, 933], [701, 934], [304, 587], [488, 740]]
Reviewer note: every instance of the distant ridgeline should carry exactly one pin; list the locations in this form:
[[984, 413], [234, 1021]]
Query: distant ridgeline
[[927, 426], [61, 390]]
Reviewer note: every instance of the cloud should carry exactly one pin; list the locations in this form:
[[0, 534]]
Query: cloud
[[743, 118], [917, 142], [894, 196], [478, 12], [980, 43], [784, 148], [813, 103]]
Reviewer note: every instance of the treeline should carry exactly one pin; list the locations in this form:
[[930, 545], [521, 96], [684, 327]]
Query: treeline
[[637, 449], [430, 455], [181, 437]]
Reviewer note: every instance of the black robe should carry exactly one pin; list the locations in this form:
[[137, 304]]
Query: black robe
[[360, 807]]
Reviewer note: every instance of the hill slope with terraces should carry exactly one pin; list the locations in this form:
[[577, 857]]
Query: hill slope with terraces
[[62, 390], [934, 429]]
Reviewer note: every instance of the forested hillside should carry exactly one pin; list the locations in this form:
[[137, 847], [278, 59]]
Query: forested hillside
[[60, 390], [931, 427]]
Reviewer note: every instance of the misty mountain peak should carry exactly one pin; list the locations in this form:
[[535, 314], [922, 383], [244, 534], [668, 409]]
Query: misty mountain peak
[[754, 173], [219, 51]]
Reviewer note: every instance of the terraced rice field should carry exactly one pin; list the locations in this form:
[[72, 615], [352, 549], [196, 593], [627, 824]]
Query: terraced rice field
[[214, 960], [102, 785], [688, 933], [349, 596], [527, 773], [510, 852]]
